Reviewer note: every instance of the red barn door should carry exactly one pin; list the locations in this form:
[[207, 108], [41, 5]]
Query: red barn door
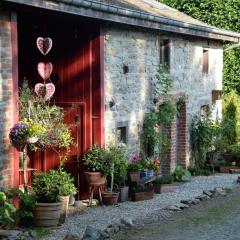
[[75, 56]]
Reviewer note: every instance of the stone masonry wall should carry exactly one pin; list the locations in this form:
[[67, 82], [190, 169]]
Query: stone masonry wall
[[131, 92], [6, 101]]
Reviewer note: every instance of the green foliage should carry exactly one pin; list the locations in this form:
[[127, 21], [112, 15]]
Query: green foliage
[[181, 174], [231, 118], [26, 203], [164, 83], [164, 180], [97, 159], [118, 154], [48, 187], [201, 136], [46, 120], [7, 211], [134, 167], [222, 14], [65, 183], [198, 171], [154, 135]]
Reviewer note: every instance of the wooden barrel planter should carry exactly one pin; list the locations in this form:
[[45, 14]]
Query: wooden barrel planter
[[95, 178], [46, 214], [110, 198]]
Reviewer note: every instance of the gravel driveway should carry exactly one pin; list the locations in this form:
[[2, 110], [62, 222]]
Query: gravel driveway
[[101, 217], [217, 218]]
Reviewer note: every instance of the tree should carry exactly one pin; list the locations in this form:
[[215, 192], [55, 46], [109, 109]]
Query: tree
[[222, 14]]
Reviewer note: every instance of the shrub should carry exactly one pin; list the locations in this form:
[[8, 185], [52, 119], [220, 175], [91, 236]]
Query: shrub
[[181, 174], [165, 180], [7, 211]]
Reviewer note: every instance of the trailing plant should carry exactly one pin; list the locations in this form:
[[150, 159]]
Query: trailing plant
[[46, 120]]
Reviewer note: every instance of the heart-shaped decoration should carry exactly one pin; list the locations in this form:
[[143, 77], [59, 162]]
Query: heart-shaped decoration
[[44, 45], [45, 90], [45, 70]]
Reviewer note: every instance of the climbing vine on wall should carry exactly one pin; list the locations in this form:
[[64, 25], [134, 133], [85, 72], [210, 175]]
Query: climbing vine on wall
[[155, 127]]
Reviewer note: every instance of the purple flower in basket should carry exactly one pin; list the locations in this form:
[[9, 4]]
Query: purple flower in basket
[[18, 135]]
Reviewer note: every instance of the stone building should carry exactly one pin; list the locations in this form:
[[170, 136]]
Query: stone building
[[105, 55]]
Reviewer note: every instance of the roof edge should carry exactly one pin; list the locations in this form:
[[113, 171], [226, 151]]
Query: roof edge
[[137, 18]]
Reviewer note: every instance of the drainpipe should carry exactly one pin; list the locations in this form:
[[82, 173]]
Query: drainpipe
[[232, 47]]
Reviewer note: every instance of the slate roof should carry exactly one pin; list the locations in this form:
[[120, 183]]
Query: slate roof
[[154, 7]]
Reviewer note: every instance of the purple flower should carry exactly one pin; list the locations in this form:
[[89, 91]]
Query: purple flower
[[18, 134]]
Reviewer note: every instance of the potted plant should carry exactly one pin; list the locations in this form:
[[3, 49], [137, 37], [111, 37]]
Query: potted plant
[[117, 170], [97, 165], [45, 187], [134, 169], [142, 192], [66, 188]]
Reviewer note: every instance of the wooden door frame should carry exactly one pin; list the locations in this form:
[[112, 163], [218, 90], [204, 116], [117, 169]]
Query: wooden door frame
[[14, 43], [100, 131]]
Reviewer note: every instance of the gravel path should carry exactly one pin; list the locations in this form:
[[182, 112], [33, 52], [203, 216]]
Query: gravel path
[[217, 218], [101, 217]]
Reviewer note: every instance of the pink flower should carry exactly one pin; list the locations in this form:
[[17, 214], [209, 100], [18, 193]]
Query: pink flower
[[135, 159]]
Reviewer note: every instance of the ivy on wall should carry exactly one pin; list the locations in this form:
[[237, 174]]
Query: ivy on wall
[[222, 14]]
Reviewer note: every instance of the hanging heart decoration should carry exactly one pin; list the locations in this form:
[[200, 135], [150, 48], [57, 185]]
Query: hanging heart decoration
[[45, 90], [45, 70], [44, 45]]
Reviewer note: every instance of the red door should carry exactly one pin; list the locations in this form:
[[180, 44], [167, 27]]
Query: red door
[[75, 56]]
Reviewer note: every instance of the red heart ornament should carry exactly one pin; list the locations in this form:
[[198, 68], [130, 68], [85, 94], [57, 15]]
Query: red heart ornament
[[45, 70], [44, 45], [45, 90]]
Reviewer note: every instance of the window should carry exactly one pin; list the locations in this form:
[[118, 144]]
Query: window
[[122, 132], [205, 61], [165, 52]]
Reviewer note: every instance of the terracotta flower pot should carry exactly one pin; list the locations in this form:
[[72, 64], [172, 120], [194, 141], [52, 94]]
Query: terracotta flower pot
[[64, 208], [110, 198], [134, 176], [46, 214], [95, 178]]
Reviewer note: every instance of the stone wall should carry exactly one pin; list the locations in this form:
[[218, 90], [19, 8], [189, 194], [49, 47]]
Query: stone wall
[[6, 101], [131, 92]]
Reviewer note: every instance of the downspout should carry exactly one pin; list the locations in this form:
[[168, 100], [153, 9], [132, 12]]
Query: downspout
[[232, 47]]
